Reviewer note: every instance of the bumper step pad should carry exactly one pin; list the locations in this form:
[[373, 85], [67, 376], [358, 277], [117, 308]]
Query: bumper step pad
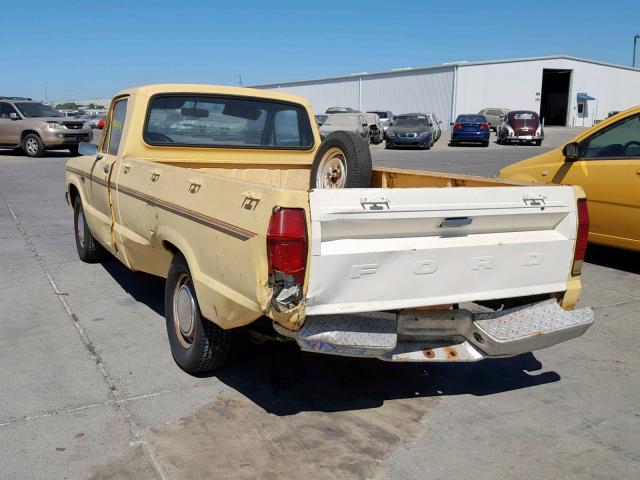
[[442, 336]]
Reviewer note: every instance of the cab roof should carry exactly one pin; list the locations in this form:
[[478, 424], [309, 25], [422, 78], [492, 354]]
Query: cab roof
[[195, 88]]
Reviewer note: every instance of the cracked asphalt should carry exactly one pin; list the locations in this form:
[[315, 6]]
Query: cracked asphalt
[[88, 388]]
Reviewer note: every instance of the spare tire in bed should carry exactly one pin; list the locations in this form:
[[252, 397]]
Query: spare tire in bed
[[342, 161]]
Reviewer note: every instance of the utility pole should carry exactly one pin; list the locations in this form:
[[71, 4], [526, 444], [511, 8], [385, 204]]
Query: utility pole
[[635, 39], [240, 79]]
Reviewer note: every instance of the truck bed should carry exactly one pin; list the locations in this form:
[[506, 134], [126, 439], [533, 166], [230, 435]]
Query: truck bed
[[528, 231]]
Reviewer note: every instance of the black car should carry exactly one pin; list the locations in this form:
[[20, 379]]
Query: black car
[[411, 130]]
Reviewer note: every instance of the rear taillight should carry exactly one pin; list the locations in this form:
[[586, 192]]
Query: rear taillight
[[582, 236], [457, 126], [484, 126], [287, 244]]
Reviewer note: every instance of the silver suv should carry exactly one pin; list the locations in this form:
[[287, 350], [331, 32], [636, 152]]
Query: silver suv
[[36, 128]]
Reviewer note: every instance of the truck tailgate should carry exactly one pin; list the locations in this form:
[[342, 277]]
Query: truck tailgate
[[384, 249]]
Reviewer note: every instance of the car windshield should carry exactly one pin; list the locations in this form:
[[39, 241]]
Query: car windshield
[[524, 116], [412, 121], [380, 114], [471, 119], [32, 110]]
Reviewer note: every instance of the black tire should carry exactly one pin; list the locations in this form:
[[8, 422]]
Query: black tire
[[74, 150], [204, 346], [485, 144], [32, 145], [89, 250], [452, 143], [538, 143], [348, 151]]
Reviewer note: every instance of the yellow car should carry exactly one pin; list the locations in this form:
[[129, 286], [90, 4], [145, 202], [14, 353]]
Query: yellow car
[[605, 161]]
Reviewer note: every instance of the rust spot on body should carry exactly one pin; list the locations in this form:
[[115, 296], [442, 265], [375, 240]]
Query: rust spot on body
[[538, 334], [428, 353], [451, 352]]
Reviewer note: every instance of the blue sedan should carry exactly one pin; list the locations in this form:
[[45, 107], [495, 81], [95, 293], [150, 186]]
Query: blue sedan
[[470, 128]]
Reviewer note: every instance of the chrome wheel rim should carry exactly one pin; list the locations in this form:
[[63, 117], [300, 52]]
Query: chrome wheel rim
[[332, 170], [80, 228], [31, 145], [184, 311]]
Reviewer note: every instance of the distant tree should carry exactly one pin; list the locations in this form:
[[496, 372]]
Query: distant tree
[[67, 106], [93, 106]]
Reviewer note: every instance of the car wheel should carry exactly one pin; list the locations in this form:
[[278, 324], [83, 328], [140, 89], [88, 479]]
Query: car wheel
[[197, 344], [32, 145], [342, 161], [89, 250], [74, 150], [485, 144], [538, 143]]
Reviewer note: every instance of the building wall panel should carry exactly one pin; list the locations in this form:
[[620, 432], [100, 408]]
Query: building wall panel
[[516, 85], [412, 92]]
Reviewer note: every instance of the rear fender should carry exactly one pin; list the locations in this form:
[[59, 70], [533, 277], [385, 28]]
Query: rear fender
[[218, 303]]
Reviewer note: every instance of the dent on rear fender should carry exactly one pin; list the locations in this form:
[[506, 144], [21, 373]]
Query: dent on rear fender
[[292, 319]]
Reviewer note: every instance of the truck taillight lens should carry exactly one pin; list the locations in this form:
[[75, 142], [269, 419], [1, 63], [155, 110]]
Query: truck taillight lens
[[287, 243], [582, 237], [484, 126]]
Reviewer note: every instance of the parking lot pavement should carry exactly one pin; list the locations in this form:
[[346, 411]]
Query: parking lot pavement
[[472, 159], [89, 388]]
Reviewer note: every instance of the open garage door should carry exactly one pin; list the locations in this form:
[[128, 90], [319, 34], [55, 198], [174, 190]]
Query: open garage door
[[554, 102]]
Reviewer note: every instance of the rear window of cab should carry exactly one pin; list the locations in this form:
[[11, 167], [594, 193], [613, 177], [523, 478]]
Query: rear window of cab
[[225, 121]]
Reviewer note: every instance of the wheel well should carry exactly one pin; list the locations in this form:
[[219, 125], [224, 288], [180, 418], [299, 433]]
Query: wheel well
[[27, 132], [170, 247], [73, 193]]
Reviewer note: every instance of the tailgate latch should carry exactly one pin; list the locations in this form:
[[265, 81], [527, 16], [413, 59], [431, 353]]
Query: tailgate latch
[[374, 204], [534, 200], [455, 222]]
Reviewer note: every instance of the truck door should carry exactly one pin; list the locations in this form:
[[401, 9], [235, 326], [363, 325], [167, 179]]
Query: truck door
[[102, 170]]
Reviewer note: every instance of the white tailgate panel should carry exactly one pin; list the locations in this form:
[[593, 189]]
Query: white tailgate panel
[[383, 249]]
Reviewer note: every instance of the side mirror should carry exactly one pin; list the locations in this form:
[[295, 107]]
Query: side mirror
[[88, 149], [451, 124], [439, 122], [14, 116], [571, 152]]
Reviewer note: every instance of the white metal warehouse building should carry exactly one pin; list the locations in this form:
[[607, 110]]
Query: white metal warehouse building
[[564, 90]]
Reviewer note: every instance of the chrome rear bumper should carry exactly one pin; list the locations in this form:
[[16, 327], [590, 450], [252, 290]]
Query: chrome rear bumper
[[442, 336]]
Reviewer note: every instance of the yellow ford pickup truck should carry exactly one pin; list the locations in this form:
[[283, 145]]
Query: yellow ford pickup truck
[[231, 195]]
